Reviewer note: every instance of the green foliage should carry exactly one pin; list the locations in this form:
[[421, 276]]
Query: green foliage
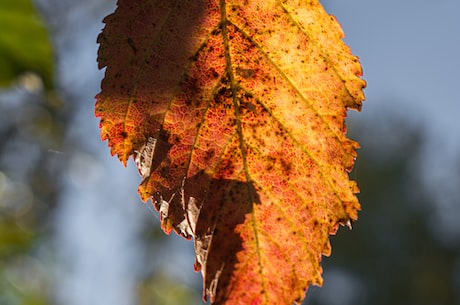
[[159, 289], [24, 43], [25, 199]]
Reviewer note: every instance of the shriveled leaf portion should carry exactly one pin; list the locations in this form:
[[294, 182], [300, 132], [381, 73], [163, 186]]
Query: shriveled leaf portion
[[245, 103]]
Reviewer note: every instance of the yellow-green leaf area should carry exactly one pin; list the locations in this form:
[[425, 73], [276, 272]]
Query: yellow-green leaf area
[[24, 42]]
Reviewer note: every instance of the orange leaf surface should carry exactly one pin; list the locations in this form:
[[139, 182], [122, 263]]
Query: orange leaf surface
[[234, 112]]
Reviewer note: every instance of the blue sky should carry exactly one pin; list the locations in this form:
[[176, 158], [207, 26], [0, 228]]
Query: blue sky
[[409, 52]]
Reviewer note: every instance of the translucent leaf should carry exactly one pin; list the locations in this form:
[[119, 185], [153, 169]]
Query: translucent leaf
[[245, 102]]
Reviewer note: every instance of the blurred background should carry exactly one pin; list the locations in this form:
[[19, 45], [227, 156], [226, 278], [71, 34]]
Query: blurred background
[[73, 231]]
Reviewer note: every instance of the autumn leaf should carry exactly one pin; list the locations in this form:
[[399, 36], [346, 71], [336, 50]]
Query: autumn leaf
[[234, 112]]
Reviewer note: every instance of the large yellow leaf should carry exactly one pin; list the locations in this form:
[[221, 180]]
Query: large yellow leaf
[[234, 112]]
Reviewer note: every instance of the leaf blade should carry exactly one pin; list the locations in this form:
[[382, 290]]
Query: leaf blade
[[248, 117]]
